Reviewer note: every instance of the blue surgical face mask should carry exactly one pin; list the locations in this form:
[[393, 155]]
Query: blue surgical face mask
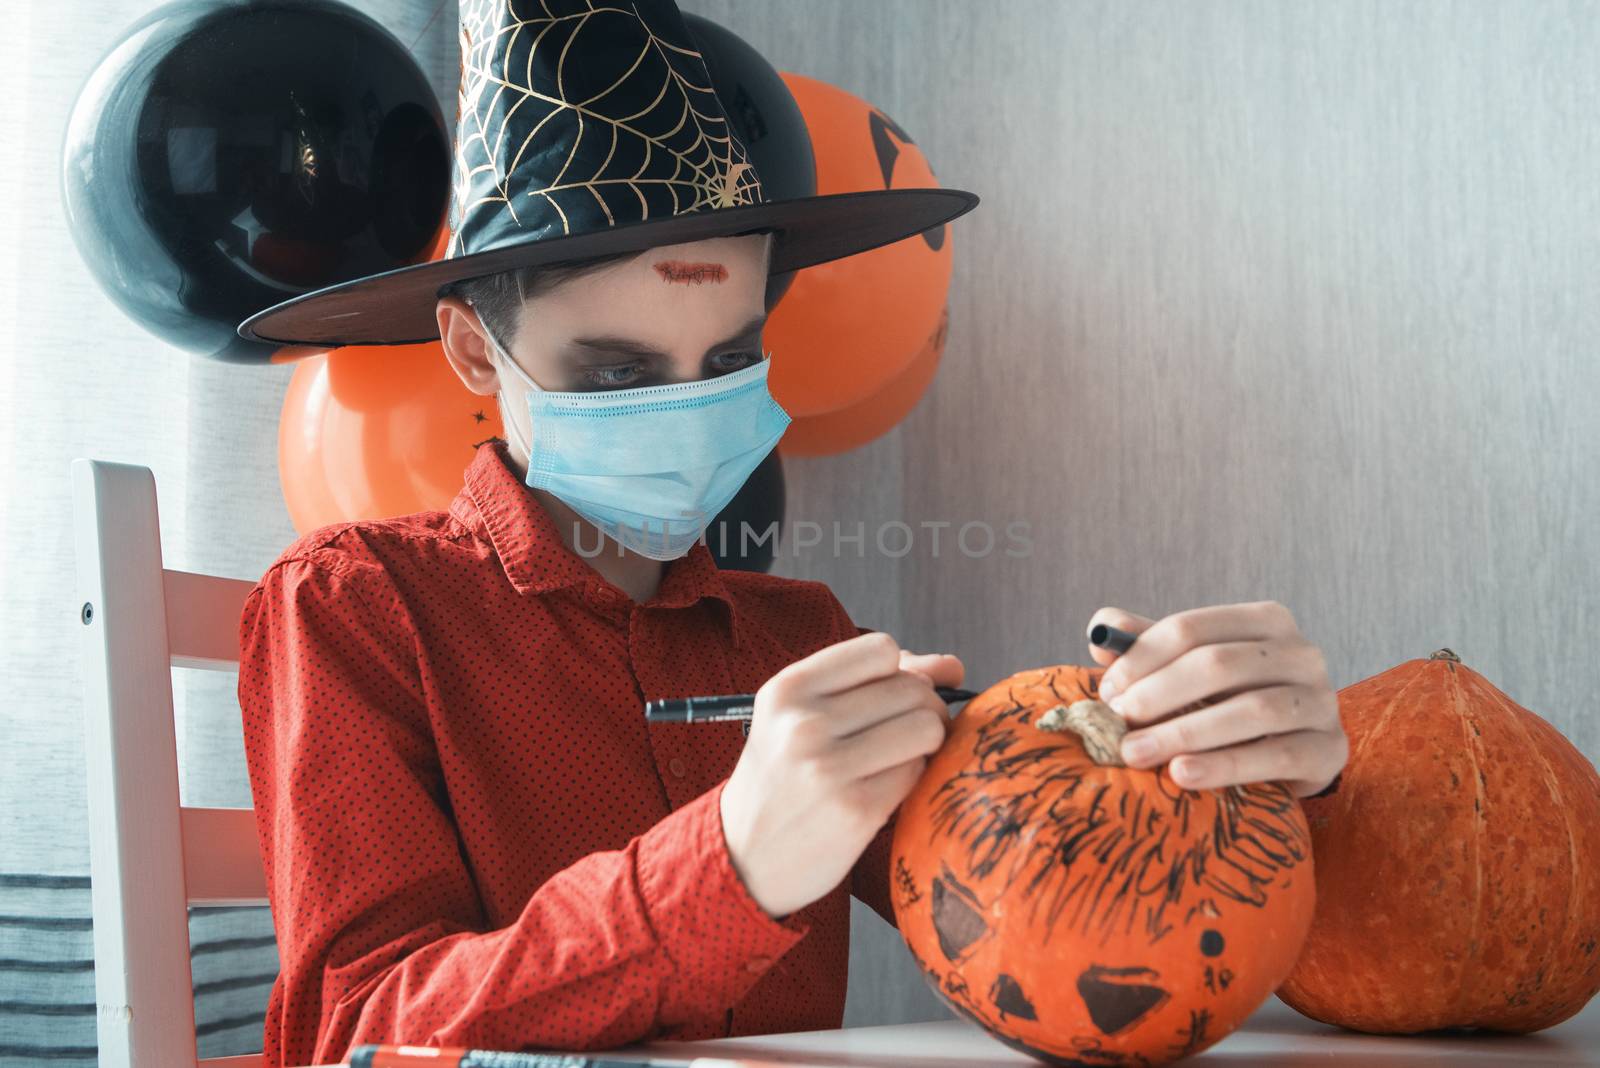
[[650, 467]]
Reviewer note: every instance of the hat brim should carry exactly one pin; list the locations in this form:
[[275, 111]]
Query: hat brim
[[397, 307]]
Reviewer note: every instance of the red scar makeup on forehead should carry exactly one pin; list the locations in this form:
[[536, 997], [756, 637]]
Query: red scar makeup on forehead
[[685, 272]]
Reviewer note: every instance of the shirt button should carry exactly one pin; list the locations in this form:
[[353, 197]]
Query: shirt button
[[677, 767], [758, 964]]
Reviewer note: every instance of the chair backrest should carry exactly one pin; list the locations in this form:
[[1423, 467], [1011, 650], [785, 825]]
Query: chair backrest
[[149, 857]]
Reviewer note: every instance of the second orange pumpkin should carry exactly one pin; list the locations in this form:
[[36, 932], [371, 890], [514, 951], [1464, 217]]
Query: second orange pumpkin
[[1480, 823]]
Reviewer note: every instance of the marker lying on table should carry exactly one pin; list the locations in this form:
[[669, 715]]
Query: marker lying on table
[[742, 706], [448, 1057], [371, 1056]]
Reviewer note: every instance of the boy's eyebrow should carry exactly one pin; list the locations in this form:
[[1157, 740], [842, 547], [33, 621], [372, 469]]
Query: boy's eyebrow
[[630, 346]]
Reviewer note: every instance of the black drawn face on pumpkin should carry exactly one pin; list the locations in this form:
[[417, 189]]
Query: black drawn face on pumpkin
[[1146, 880]]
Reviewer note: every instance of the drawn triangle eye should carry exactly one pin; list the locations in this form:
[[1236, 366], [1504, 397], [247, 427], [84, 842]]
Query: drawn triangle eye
[[957, 917], [1007, 995]]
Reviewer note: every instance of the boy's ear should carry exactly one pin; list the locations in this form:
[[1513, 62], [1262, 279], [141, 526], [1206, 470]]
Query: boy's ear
[[465, 345]]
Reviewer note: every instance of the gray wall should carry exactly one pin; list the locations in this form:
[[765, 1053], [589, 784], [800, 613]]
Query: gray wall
[[1264, 299], [1271, 299]]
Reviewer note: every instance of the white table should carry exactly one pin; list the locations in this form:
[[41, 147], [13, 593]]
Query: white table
[[1275, 1037]]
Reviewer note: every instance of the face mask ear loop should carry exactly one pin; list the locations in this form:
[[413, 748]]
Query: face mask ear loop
[[499, 394], [505, 356]]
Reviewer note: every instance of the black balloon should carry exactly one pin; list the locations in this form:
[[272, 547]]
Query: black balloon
[[764, 117], [226, 155], [744, 536]]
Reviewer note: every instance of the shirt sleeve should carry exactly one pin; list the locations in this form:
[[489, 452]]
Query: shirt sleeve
[[869, 879], [381, 934]]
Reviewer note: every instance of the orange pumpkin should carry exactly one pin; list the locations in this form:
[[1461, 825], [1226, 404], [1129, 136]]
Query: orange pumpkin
[[1084, 911], [1458, 864]]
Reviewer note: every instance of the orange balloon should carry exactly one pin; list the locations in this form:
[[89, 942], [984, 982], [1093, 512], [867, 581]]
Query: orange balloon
[[291, 353], [846, 328], [852, 427], [305, 487], [368, 432]]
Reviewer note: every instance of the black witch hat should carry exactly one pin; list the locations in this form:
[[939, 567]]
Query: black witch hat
[[585, 129]]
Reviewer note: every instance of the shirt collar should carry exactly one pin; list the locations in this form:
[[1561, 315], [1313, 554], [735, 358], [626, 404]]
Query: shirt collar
[[496, 505]]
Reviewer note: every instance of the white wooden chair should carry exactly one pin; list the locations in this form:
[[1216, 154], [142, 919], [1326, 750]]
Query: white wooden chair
[[149, 856]]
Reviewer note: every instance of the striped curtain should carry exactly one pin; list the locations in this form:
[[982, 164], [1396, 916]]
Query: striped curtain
[[47, 1010]]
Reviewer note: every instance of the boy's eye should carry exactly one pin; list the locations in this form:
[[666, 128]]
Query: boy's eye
[[627, 375], [733, 361], [612, 377]]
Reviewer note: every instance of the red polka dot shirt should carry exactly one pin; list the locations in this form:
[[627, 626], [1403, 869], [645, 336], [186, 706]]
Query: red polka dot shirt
[[471, 835]]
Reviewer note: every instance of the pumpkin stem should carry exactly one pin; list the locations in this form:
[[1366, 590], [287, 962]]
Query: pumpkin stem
[[1100, 728], [1444, 654]]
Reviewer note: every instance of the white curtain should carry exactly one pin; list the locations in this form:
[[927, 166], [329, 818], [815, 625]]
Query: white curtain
[[78, 378]]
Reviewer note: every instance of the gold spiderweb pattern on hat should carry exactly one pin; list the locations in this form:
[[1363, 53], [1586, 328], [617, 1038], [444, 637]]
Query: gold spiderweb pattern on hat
[[561, 112]]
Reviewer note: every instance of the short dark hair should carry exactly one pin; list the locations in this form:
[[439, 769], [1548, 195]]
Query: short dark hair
[[498, 298]]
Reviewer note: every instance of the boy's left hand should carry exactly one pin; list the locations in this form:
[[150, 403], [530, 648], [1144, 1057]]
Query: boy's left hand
[[1228, 694]]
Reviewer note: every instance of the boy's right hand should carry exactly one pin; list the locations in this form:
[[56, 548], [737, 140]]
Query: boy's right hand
[[837, 741]]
